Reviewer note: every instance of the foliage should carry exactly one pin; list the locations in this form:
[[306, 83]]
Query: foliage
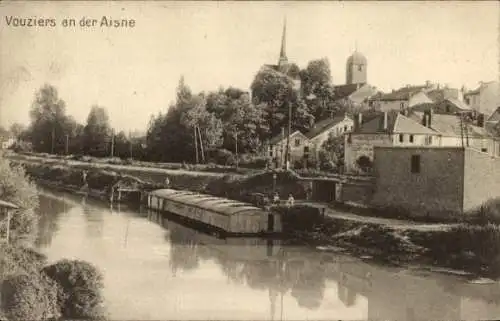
[[16, 188], [97, 132], [277, 93], [49, 123], [29, 297], [80, 288], [331, 155]]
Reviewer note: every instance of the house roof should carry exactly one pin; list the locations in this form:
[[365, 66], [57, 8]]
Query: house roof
[[325, 125], [459, 104], [402, 94], [495, 117], [396, 123], [449, 125], [281, 136], [343, 91], [439, 107]]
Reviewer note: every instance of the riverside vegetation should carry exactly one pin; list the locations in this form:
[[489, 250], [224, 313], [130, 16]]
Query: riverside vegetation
[[473, 245], [32, 289]]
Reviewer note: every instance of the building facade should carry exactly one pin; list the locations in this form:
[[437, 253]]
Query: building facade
[[485, 99], [434, 181], [336, 127]]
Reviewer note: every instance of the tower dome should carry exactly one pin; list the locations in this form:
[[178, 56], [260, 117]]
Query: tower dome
[[356, 68], [357, 58]]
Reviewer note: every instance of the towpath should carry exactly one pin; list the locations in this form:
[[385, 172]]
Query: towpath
[[156, 170], [392, 223]]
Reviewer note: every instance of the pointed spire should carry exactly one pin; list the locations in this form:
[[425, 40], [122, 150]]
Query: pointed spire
[[283, 58]]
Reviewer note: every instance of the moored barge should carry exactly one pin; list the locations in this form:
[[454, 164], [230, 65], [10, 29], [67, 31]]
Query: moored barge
[[227, 216]]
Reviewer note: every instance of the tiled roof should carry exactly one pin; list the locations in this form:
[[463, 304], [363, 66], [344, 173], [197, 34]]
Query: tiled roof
[[495, 117], [402, 94], [449, 125], [278, 138], [343, 91], [324, 125], [396, 123]]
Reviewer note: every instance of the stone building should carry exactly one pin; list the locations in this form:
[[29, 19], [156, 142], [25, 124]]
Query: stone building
[[485, 99], [384, 129], [434, 181]]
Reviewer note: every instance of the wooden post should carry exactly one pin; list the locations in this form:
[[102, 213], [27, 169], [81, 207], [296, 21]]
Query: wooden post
[[8, 226], [287, 156], [67, 143], [112, 143], [201, 146], [53, 139], [195, 144], [236, 143]]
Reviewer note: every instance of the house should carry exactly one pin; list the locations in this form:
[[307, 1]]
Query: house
[[322, 130], [450, 106], [400, 99], [354, 95], [454, 131], [434, 181], [7, 142], [484, 99], [389, 128], [299, 146]]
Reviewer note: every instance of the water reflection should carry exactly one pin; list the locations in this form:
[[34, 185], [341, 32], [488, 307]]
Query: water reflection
[[171, 271]]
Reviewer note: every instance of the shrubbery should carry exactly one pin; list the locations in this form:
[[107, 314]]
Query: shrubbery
[[80, 285]]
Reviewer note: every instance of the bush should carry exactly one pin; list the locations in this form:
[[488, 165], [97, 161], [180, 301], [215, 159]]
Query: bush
[[220, 156], [16, 188], [29, 297], [80, 286]]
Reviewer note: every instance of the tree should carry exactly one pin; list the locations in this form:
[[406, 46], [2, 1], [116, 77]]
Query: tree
[[47, 121], [331, 154], [97, 133], [16, 129], [277, 93]]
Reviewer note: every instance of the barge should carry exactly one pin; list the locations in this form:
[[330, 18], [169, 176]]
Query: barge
[[224, 215]]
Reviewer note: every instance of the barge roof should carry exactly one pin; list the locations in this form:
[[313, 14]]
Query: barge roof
[[211, 203]]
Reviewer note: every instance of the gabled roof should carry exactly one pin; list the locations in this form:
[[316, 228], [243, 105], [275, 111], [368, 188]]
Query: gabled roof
[[440, 107], [324, 125], [402, 94], [495, 117], [343, 91], [449, 125], [278, 138], [396, 123]]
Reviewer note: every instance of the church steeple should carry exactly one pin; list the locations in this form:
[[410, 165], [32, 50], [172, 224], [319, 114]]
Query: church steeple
[[283, 58]]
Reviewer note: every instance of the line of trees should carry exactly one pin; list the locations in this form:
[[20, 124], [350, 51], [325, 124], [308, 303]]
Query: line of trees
[[218, 123]]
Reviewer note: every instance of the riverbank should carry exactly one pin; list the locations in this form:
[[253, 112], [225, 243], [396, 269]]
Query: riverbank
[[402, 244]]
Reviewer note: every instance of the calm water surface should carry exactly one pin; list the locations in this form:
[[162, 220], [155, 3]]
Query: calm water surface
[[156, 269]]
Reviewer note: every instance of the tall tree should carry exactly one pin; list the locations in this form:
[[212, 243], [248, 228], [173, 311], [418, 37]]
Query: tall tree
[[97, 133], [278, 92], [16, 129], [47, 121]]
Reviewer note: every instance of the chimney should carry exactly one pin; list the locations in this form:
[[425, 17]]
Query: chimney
[[385, 120]]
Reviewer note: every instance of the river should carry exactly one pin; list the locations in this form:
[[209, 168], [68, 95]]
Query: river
[[157, 269]]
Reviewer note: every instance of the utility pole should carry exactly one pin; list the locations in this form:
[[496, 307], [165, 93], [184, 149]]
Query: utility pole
[[130, 141], [201, 146], [282, 153], [236, 143], [53, 139], [67, 143], [112, 143], [195, 144], [288, 136]]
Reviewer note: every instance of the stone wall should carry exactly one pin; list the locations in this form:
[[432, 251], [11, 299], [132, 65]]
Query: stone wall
[[482, 178], [358, 145], [436, 190]]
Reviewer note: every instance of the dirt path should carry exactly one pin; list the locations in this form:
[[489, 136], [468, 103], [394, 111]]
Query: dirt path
[[392, 223]]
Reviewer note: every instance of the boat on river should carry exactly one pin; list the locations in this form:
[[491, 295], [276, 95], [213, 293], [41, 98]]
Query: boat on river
[[229, 217]]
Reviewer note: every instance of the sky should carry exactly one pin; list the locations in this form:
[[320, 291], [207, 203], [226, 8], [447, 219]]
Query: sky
[[134, 72]]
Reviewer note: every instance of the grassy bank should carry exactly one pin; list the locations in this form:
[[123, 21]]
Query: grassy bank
[[474, 248], [30, 288]]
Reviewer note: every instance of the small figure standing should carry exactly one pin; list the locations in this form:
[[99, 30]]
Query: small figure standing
[[308, 193], [167, 182], [291, 200], [276, 199]]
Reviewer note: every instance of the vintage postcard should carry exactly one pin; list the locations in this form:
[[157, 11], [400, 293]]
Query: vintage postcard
[[249, 160]]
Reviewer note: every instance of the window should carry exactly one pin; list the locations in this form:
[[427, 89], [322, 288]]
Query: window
[[401, 138], [428, 140], [402, 105], [411, 138], [345, 128], [484, 150], [306, 150], [360, 67], [415, 163], [271, 153], [297, 142]]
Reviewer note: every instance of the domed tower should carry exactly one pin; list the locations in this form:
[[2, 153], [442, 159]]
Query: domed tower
[[356, 69]]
